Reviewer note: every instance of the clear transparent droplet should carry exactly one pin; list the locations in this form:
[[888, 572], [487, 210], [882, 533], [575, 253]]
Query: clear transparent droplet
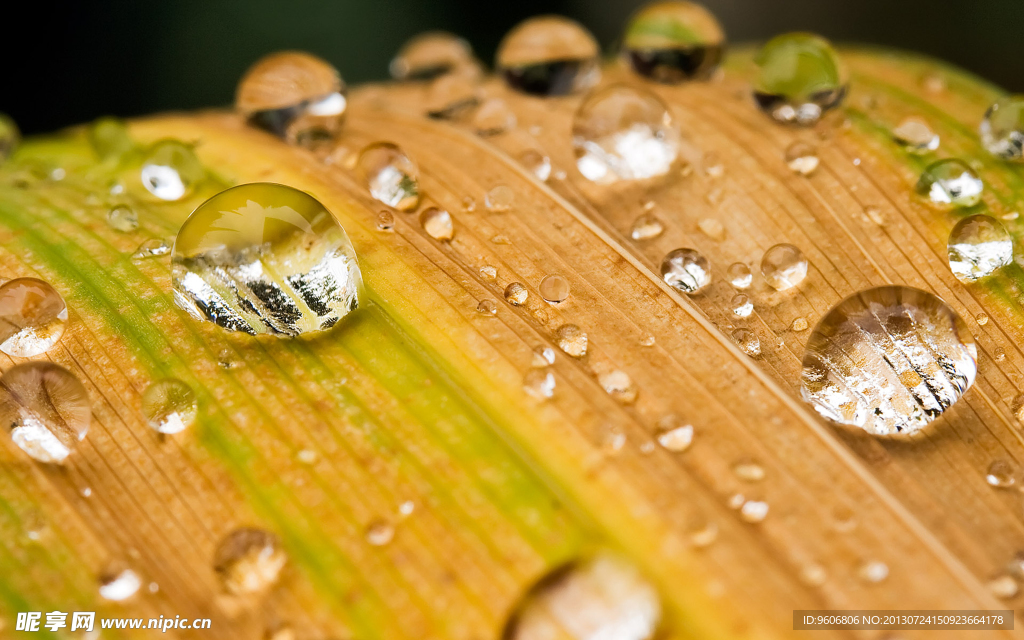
[[249, 561], [754, 511], [1003, 586], [10, 137], [46, 408], [543, 356], [379, 533], [169, 405], [888, 360], [487, 272], [554, 289], [802, 158], [549, 56], [621, 132], [539, 384], [390, 175], [487, 308], [673, 41], [950, 183], [783, 267], [748, 471], [493, 117], [740, 276], [536, 163], [123, 218], [800, 324], [499, 198], [33, 317], [617, 383], [800, 76], [673, 434], [152, 248], [385, 221], [438, 224], [747, 341], [516, 294], [915, 135], [979, 245], [265, 258], [686, 270], [873, 571], [741, 306], [712, 228], [981, 319], [571, 340], [646, 227], [118, 583], [433, 54], [1001, 474], [110, 139], [452, 97], [703, 534], [170, 170], [1002, 129]]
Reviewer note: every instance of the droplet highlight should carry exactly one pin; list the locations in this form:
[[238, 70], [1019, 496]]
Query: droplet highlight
[[249, 561], [170, 170], [571, 340]]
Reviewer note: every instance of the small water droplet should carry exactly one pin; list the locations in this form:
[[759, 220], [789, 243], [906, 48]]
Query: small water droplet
[[499, 199], [385, 221], [979, 245], [452, 97], [493, 117], [813, 574], [875, 214], [1004, 587], [739, 275], [802, 158], [539, 384], [618, 384], [950, 183], [390, 175], [33, 317], [686, 270], [433, 54], [123, 218], [487, 272], [307, 456], [712, 228], [169, 405], [800, 76], [170, 170], [1001, 474], [914, 359], [249, 561], [748, 471], [516, 294], [501, 239], [648, 341], [406, 508], [554, 289], [118, 583], [537, 163], [916, 136], [981, 319], [86, 492], [673, 434], [152, 248], [704, 534], [933, 83], [1002, 129], [487, 308], [783, 266], [109, 138], [10, 137], [735, 501], [379, 533], [549, 56], [623, 133], [571, 340], [646, 227], [754, 511], [999, 354], [469, 204], [741, 305], [873, 571], [46, 408], [671, 42], [543, 356], [438, 224], [747, 341]]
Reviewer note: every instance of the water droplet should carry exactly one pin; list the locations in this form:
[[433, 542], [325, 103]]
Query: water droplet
[[487, 272], [981, 319], [390, 175], [549, 56], [978, 247], [800, 76], [748, 471], [10, 136], [406, 508], [516, 294], [739, 275], [712, 228], [571, 340], [916, 136], [673, 434], [747, 341], [501, 239], [500, 198], [599, 597], [438, 224], [874, 214], [385, 221], [1001, 474], [537, 163], [169, 405], [46, 409], [152, 248], [742, 307], [265, 258], [800, 324], [735, 501], [713, 167], [123, 218], [648, 341], [1002, 129], [543, 356], [672, 41], [539, 384], [813, 574], [802, 158], [783, 266], [1003, 586], [888, 360], [487, 308], [379, 533], [170, 170], [493, 117], [554, 289], [452, 97], [950, 183], [33, 317], [933, 83], [249, 561], [704, 534], [307, 456], [686, 270], [294, 95], [617, 383], [109, 138], [873, 571], [432, 54], [754, 510], [623, 133], [646, 227], [119, 583]]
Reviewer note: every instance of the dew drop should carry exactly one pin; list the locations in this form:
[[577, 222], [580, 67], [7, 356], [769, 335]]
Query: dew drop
[[888, 360], [736, 501], [673, 41], [493, 117], [599, 597], [686, 270], [390, 175], [783, 266], [915, 136], [10, 137], [295, 96], [623, 133], [1002, 129], [800, 76], [433, 54], [800, 324], [754, 511], [33, 317], [873, 571], [516, 294], [741, 305], [571, 340], [379, 533], [307, 456], [265, 258], [549, 56], [543, 356], [748, 471], [704, 534], [249, 561], [950, 183], [452, 97], [438, 224], [500, 198], [118, 583], [123, 218], [618, 384], [1004, 586], [169, 405], [152, 248], [46, 409], [109, 138], [385, 221], [813, 574], [739, 275], [979, 245], [874, 214], [802, 158], [1001, 474], [747, 341], [712, 228], [554, 289], [673, 434], [648, 341], [646, 227], [487, 272], [539, 384], [713, 167], [981, 319], [487, 308], [536, 163], [170, 170]]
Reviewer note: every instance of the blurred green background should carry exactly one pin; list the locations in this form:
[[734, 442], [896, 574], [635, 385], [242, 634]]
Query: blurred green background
[[69, 64]]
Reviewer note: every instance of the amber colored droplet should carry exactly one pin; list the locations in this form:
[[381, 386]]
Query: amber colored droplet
[[516, 294], [385, 221], [249, 561], [46, 408], [32, 317], [390, 175], [571, 340], [549, 55], [554, 289], [438, 224], [432, 54]]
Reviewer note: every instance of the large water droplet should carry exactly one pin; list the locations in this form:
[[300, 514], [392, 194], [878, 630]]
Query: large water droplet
[[32, 317], [1002, 129], [950, 183], [673, 40], [978, 246], [390, 175], [603, 597], [554, 289], [294, 95], [433, 54], [623, 133], [571, 340], [10, 136], [888, 360], [169, 405], [265, 258], [800, 76], [686, 270], [549, 56], [249, 561], [916, 136], [46, 409], [170, 170], [438, 224], [783, 266]]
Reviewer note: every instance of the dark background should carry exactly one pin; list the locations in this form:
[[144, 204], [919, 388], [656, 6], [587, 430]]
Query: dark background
[[67, 64]]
